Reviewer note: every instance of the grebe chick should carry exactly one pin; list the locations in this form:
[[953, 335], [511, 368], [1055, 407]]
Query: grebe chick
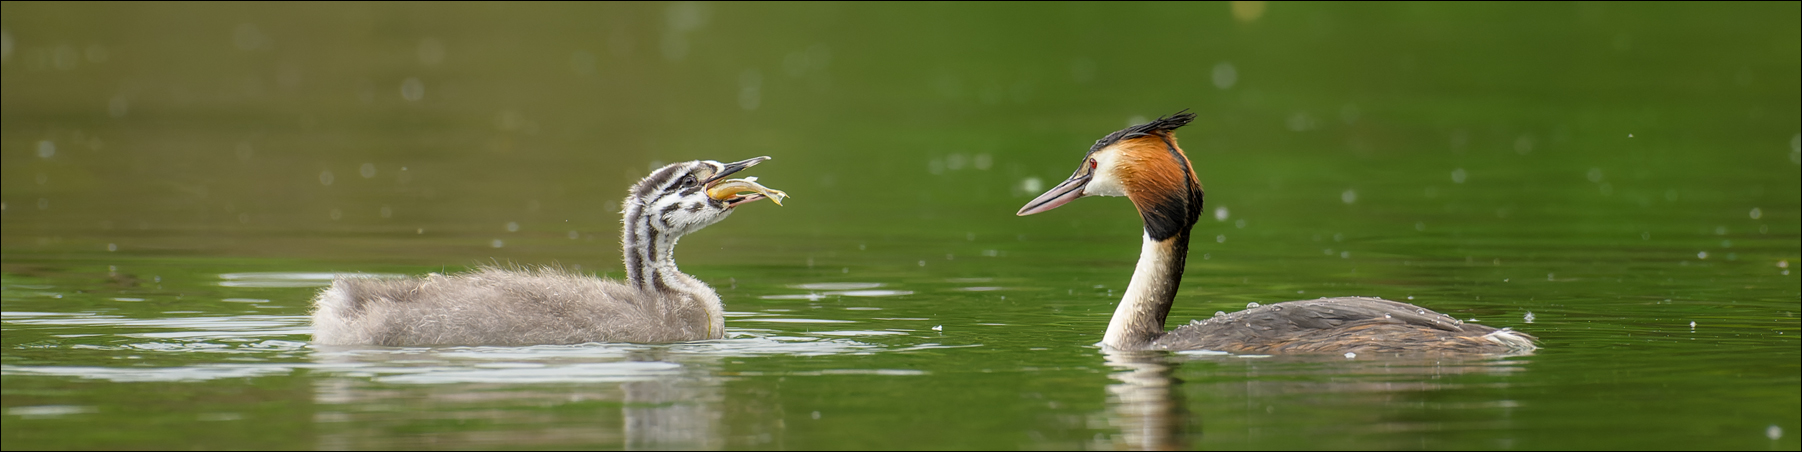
[[494, 306], [1144, 164]]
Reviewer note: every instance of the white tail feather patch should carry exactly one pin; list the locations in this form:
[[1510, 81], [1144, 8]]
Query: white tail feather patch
[[1507, 337]]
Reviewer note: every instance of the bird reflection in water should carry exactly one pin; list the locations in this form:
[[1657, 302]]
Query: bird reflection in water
[[609, 397], [1146, 403], [673, 414]]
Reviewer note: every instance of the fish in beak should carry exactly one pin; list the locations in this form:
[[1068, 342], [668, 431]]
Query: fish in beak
[[739, 191]]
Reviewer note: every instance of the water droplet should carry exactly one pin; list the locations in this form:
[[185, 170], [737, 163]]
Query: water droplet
[[1225, 75], [750, 89], [1220, 238], [1248, 11], [46, 149], [1387, 316], [938, 328], [1350, 355], [1220, 214], [1031, 185], [1349, 196], [1219, 313], [1349, 113], [1458, 175], [431, 52], [247, 37], [512, 227], [1523, 145], [112, 247], [367, 170], [1253, 304], [1773, 432], [326, 178], [1420, 311], [1529, 317], [1701, 255], [118, 106], [1795, 148], [412, 89], [1756, 214], [496, 243]]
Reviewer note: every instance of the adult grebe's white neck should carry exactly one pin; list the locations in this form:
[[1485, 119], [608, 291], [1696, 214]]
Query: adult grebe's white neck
[[1139, 319]]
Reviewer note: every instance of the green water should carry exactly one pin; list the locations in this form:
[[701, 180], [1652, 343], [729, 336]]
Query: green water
[[1620, 180]]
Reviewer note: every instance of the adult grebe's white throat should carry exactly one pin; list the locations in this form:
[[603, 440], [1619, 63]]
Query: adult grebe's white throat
[[1149, 276]]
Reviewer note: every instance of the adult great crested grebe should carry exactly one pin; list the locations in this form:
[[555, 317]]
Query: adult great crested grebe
[[492, 306], [1144, 164]]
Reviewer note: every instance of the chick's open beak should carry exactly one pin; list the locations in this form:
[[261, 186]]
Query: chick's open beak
[[740, 191]]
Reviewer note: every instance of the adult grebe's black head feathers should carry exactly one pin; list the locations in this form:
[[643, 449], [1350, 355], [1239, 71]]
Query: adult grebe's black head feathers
[[1160, 125]]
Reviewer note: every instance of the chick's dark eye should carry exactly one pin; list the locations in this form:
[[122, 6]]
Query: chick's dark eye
[[688, 181]]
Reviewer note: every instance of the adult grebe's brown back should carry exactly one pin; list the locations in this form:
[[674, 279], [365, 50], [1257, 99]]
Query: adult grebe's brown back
[[1144, 164], [492, 306]]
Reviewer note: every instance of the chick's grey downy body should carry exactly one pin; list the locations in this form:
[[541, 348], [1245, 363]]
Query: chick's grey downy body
[[493, 306], [496, 306]]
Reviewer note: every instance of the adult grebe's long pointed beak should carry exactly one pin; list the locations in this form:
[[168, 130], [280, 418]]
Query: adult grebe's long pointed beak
[[736, 167], [1061, 194]]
